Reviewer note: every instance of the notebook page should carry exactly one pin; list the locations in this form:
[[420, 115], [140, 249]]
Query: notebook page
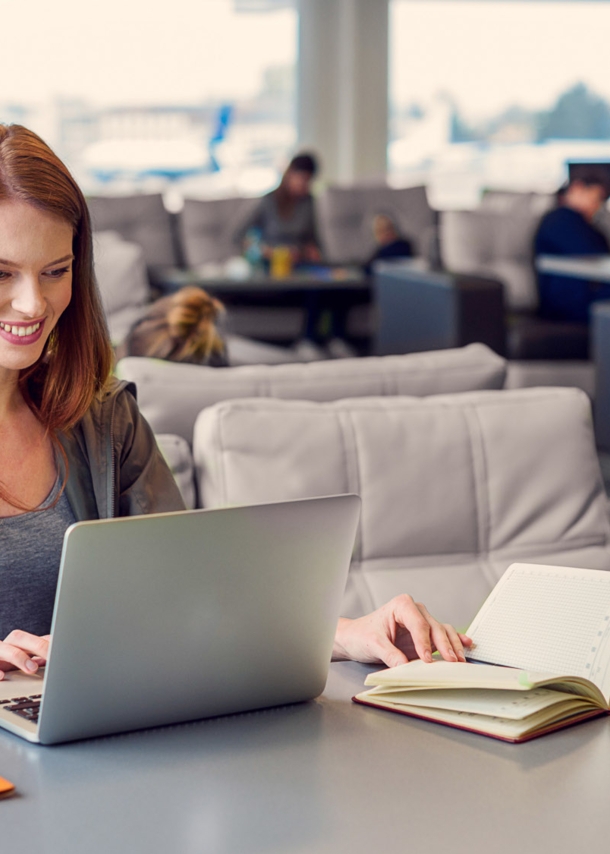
[[548, 618], [514, 705]]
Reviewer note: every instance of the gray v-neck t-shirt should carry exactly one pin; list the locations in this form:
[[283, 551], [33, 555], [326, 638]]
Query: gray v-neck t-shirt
[[30, 553]]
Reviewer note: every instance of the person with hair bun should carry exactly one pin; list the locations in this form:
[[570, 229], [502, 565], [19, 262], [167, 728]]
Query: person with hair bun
[[73, 444], [180, 328]]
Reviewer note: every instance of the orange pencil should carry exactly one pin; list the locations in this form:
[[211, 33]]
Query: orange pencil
[[6, 788]]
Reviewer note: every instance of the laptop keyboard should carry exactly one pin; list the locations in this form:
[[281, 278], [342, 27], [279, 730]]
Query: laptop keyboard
[[25, 707]]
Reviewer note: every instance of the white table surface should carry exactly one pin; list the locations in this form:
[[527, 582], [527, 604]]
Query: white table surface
[[593, 267], [326, 776]]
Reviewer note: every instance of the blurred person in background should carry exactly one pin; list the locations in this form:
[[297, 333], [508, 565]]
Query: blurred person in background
[[286, 216], [189, 326], [181, 327], [569, 230], [389, 241]]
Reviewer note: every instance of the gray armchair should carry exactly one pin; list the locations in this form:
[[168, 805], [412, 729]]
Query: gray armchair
[[420, 309]]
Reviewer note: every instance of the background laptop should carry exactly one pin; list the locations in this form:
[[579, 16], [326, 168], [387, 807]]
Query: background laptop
[[177, 616]]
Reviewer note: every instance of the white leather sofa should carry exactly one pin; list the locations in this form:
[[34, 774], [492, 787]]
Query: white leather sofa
[[454, 487], [171, 395], [458, 477]]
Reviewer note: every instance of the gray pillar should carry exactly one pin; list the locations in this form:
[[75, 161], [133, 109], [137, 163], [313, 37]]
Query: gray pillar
[[342, 86]]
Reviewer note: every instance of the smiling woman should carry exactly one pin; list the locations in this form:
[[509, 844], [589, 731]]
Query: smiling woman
[[73, 445], [48, 373]]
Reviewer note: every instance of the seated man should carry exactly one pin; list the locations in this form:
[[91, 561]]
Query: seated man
[[569, 230]]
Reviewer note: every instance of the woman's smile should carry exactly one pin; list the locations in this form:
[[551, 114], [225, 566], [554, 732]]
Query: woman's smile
[[21, 333]]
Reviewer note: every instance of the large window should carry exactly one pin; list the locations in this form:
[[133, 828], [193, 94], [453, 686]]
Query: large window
[[196, 95], [496, 93]]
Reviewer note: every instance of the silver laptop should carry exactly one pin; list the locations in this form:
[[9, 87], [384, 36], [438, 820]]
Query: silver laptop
[[178, 616]]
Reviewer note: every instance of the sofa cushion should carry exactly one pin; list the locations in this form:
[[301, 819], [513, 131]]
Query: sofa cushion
[[120, 271], [466, 240], [142, 219], [495, 243], [177, 455], [454, 487], [171, 395], [208, 227]]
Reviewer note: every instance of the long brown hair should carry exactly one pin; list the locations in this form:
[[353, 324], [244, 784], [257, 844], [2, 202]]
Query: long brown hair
[[77, 358], [180, 328]]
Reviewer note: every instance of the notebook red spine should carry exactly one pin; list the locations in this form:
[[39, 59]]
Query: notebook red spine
[[551, 728]]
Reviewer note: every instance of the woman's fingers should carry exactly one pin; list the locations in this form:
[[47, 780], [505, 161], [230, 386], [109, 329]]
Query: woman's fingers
[[445, 638], [398, 631], [408, 615], [19, 649], [427, 633], [12, 657], [453, 639]]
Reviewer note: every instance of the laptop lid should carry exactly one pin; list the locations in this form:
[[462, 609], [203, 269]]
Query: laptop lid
[[178, 616]]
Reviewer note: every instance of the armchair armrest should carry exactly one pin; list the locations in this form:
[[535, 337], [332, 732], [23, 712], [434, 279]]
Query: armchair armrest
[[421, 309], [600, 348]]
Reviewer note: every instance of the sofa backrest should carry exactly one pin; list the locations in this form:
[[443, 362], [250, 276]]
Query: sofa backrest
[[207, 228], [120, 271], [514, 201], [454, 487], [177, 454], [497, 239], [171, 395], [346, 215], [142, 219], [494, 243]]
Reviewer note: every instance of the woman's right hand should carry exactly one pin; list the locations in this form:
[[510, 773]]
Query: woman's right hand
[[23, 651]]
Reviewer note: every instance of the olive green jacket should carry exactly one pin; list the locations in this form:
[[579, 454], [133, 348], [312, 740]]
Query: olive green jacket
[[114, 465]]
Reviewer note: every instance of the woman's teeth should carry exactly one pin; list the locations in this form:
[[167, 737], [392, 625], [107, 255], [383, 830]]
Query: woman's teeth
[[20, 330]]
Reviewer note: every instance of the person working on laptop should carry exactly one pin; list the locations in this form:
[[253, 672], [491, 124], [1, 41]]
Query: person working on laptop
[[569, 229], [74, 445]]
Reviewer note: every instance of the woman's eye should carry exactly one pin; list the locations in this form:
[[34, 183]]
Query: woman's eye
[[4, 275], [57, 274]]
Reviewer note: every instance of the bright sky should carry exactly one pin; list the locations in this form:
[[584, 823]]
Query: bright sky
[[493, 54], [126, 51], [488, 54]]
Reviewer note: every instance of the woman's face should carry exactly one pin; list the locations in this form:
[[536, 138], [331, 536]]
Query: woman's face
[[35, 281], [298, 182]]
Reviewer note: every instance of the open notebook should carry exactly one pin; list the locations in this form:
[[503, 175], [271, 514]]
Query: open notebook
[[542, 647]]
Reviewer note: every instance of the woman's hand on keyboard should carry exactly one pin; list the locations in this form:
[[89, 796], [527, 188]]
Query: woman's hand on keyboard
[[399, 631], [23, 651]]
